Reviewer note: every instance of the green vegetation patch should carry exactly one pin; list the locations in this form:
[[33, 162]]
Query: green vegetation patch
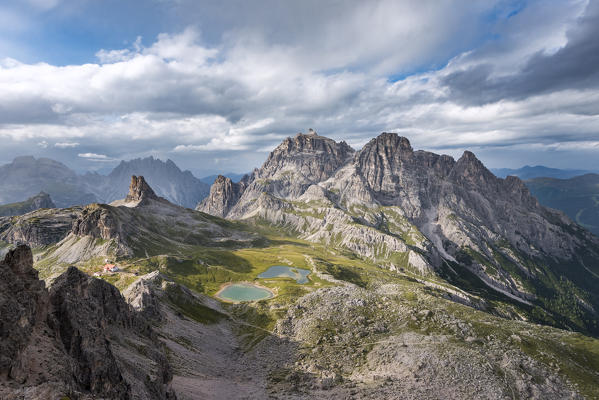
[[191, 307]]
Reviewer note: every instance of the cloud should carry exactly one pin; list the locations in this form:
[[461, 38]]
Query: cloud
[[66, 145], [96, 157], [350, 72], [575, 65]]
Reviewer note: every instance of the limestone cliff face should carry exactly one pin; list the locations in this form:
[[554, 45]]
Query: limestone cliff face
[[97, 221], [71, 340], [413, 209], [39, 228]]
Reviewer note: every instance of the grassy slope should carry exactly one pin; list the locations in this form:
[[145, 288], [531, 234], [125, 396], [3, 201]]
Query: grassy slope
[[205, 269]]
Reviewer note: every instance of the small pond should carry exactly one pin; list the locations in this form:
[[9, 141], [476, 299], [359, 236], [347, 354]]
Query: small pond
[[239, 292], [280, 271]]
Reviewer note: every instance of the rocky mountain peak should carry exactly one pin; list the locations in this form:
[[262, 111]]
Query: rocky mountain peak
[[312, 142], [315, 157], [224, 193], [382, 158], [469, 170], [140, 190], [43, 200], [393, 141], [389, 147]]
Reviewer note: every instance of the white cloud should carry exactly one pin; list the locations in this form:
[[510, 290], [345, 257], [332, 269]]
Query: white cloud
[[96, 157], [182, 95], [93, 155], [66, 145]]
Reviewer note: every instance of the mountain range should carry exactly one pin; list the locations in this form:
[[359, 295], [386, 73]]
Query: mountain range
[[26, 176], [428, 277], [428, 213], [538, 171], [180, 187], [578, 197]]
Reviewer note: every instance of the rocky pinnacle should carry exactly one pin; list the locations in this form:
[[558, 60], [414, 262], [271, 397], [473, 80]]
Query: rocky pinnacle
[[140, 190]]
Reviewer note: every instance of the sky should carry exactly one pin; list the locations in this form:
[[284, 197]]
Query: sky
[[216, 85]]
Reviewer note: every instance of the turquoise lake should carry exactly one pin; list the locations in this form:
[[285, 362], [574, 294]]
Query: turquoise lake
[[240, 292], [281, 271]]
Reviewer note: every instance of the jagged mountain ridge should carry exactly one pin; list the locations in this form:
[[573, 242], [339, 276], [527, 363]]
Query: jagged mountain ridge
[[421, 211], [179, 187], [27, 176]]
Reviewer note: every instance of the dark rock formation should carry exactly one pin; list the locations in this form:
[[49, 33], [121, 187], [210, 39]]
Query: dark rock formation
[[22, 299], [79, 339], [97, 221]]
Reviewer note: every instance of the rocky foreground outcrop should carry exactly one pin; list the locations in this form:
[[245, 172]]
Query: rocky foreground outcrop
[[79, 339]]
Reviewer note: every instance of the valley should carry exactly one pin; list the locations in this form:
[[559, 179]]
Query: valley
[[384, 273]]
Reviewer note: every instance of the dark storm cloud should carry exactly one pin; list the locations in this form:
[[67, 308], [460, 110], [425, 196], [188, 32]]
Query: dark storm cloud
[[574, 66]]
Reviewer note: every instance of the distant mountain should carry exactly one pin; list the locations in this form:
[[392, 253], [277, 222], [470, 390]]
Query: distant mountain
[[41, 200], [537, 171], [578, 197], [139, 224], [179, 187], [26, 176], [231, 175]]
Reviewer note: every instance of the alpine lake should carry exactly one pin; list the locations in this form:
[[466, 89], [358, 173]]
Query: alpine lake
[[245, 291]]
